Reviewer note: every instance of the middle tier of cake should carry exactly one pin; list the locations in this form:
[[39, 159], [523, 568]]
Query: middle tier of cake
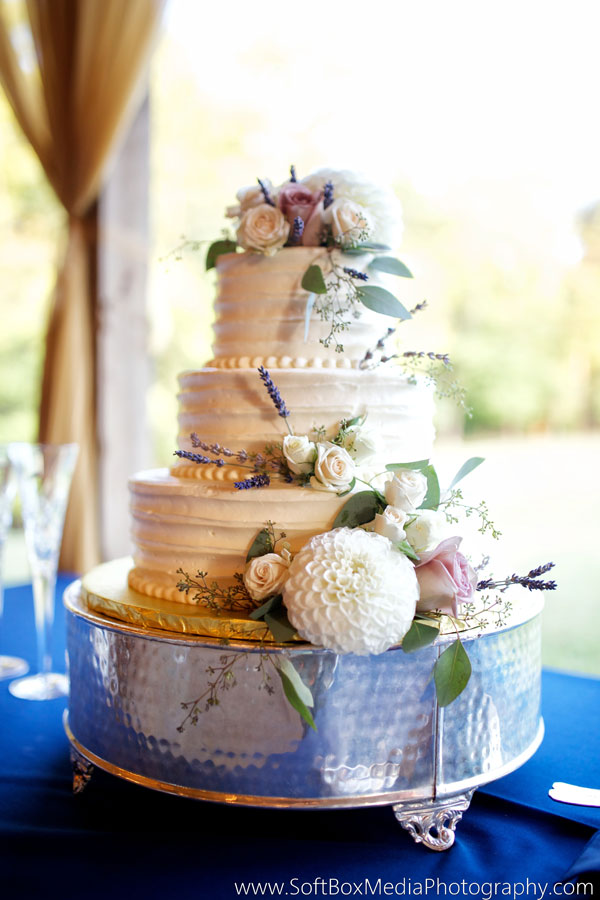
[[193, 518]]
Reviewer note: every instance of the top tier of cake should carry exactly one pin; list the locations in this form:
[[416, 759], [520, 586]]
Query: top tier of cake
[[261, 313]]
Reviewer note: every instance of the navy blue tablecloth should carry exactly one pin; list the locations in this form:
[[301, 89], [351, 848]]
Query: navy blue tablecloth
[[120, 840]]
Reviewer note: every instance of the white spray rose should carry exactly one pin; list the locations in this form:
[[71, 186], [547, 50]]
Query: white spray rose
[[390, 523], [263, 228], [334, 469], [427, 531], [407, 489], [266, 574], [349, 221], [361, 443], [300, 453]]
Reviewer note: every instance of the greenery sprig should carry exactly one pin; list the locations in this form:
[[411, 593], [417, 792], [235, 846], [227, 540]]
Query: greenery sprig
[[233, 598]]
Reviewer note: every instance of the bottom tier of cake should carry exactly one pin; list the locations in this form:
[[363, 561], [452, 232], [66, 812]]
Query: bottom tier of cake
[[142, 705]]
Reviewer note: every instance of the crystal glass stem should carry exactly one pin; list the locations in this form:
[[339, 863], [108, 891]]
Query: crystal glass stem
[[44, 473], [44, 585]]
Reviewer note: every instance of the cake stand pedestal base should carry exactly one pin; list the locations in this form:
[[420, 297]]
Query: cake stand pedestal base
[[142, 707]]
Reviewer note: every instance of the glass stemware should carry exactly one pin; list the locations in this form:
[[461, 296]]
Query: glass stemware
[[10, 666], [44, 473]]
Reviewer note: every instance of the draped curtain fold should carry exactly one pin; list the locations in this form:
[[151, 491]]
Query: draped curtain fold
[[73, 87]]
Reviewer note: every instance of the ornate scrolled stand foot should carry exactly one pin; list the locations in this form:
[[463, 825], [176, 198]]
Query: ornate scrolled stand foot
[[82, 771], [433, 824]]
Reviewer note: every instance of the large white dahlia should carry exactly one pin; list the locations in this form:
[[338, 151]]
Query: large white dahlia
[[348, 590], [382, 205]]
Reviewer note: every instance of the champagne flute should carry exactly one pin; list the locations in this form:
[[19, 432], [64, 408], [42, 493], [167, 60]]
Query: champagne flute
[[10, 666], [44, 473]]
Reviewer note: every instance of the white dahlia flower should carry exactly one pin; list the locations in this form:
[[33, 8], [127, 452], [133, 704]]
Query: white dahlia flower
[[348, 590], [381, 203]]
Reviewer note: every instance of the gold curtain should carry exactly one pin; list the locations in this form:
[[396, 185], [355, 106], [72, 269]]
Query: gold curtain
[[72, 94]]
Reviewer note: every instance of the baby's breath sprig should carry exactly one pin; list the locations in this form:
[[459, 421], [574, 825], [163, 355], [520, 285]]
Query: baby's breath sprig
[[224, 679], [339, 306], [214, 596], [455, 499]]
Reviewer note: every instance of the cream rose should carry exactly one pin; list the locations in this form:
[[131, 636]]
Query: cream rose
[[427, 530], [265, 575], [334, 469], [263, 228], [349, 221], [407, 489], [248, 197], [300, 453], [361, 444], [390, 523]]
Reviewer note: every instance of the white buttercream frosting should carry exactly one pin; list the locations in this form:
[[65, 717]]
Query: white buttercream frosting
[[194, 518]]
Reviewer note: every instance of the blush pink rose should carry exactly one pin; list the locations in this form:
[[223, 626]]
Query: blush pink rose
[[445, 578], [313, 228], [297, 200]]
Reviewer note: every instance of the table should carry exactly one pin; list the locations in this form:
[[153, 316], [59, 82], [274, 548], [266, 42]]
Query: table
[[120, 840]]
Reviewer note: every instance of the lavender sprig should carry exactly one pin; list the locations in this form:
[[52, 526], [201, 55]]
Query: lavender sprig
[[297, 231], [327, 194], [273, 392], [293, 178], [354, 273], [381, 342], [421, 354], [266, 194], [198, 458], [531, 581], [255, 481]]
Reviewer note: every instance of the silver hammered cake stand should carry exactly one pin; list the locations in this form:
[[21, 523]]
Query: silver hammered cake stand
[[381, 737]]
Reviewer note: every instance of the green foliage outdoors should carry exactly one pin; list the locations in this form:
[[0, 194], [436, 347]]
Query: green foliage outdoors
[[30, 225]]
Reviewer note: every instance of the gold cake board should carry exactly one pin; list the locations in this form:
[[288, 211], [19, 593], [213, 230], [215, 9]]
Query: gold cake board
[[105, 590]]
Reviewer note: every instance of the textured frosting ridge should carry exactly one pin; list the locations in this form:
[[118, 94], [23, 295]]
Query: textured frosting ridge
[[261, 309]]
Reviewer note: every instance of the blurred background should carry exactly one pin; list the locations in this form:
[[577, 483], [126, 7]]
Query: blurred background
[[484, 119]]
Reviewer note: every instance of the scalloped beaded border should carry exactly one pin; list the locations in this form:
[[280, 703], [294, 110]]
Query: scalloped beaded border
[[222, 474], [144, 585], [281, 362]]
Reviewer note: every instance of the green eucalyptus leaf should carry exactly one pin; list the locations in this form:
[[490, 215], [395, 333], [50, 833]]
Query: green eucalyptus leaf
[[262, 543], [405, 548], [359, 509], [267, 607], [216, 249], [381, 301], [295, 701], [279, 625], [313, 280], [432, 497], [391, 265], [307, 313], [350, 489], [421, 633], [419, 465], [371, 245], [451, 673], [466, 469], [357, 420], [303, 691]]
